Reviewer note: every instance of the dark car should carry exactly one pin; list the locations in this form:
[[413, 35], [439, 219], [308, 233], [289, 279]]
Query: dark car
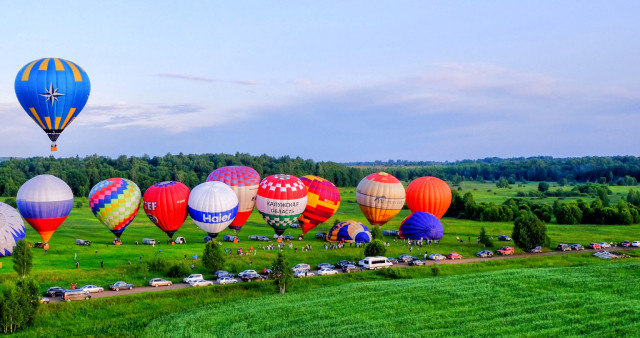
[[341, 264], [287, 237], [294, 225], [117, 286], [321, 235], [577, 247], [392, 260], [230, 238], [55, 291], [389, 232], [485, 254], [504, 238], [535, 250], [405, 258], [222, 273], [350, 268], [416, 262], [563, 247]]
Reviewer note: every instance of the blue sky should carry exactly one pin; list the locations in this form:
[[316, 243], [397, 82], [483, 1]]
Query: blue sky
[[334, 80]]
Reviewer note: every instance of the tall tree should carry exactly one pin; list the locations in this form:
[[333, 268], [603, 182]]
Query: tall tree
[[281, 273], [22, 258], [529, 231], [212, 258]]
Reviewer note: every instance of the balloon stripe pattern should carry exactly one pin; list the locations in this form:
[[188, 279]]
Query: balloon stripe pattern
[[323, 200], [281, 200], [244, 182], [165, 204], [52, 92], [429, 194], [380, 196], [213, 206], [421, 225], [45, 201], [350, 232], [115, 202], [11, 229]]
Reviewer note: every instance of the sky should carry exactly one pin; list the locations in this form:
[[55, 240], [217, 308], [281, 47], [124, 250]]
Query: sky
[[336, 81]]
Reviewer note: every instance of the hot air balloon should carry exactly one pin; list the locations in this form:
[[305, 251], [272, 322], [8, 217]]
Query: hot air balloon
[[429, 194], [213, 206], [323, 200], [350, 232], [11, 229], [244, 182], [45, 201], [421, 225], [165, 204], [115, 202], [281, 200], [53, 92], [380, 196]]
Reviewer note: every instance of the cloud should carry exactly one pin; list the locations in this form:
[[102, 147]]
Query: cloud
[[186, 77]]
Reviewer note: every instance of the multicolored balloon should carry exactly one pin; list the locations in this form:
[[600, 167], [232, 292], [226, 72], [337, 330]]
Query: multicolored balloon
[[380, 196], [350, 232], [323, 200], [281, 200], [429, 194], [115, 202], [166, 205], [421, 225], [53, 92], [244, 182], [11, 229], [45, 201], [213, 206]]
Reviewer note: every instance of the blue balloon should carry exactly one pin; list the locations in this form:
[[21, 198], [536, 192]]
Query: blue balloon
[[350, 232], [421, 225], [52, 92]]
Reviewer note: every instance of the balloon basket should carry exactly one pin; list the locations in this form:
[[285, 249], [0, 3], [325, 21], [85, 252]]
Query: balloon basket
[[54, 148]]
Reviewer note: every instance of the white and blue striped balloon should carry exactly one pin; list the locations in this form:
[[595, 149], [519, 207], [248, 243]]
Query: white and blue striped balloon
[[11, 229], [213, 206]]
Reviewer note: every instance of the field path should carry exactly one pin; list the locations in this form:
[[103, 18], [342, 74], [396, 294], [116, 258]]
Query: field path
[[109, 293]]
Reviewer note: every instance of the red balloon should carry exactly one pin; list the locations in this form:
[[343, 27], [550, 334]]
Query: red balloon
[[166, 205], [429, 194]]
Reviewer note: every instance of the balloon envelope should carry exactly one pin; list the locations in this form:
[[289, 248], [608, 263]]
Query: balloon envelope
[[52, 92], [429, 194], [380, 196], [11, 229], [421, 225], [323, 200], [281, 200], [244, 182], [45, 201], [213, 206], [115, 202], [349, 231], [165, 204]]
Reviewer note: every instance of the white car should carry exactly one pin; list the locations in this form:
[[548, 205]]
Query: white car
[[92, 288], [192, 277], [327, 271], [437, 256], [635, 243], [605, 245], [226, 280], [248, 272], [201, 282], [303, 274], [301, 267]]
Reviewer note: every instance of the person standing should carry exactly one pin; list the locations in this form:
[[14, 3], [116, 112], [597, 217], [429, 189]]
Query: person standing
[[77, 265], [102, 264]]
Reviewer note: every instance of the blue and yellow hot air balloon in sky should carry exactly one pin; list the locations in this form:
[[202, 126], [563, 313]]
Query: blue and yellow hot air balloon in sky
[[52, 91]]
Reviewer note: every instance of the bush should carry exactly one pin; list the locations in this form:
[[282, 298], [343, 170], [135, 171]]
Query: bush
[[435, 270], [375, 248], [529, 231], [376, 232], [78, 205], [179, 270], [11, 201], [393, 273], [484, 238], [158, 264]]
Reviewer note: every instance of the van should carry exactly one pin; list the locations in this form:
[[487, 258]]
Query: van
[[377, 262], [149, 241], [180, 240], [82, 242], [69, 295]]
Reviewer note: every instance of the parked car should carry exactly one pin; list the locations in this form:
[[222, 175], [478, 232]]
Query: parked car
[[454, 255], [392, 260], [207, 239], [605, 245], [577, 247], [252, 277], [405, 258], [180, 240], [263, 238], [416, 262], [635, 243], [76, 294], [376, 262], [341, 264], [38, 245], [287, 237], [83, 242], [595, 246], [248, 273], [626, 244], [192, 277], [504, 238], [327, 271], [222, 273], [350, 268], [303, 274], [301, 267], [149, 241], [294, 225], [44, 300], [484, 254], [230, 238], [389, 232], [437, 256], [505, 250], [159, 282], [325, 266], [200, 282], [117, 286], [321, 235], [536, 249], [226, 280], [54, 291], [563, 247], [92, 288]]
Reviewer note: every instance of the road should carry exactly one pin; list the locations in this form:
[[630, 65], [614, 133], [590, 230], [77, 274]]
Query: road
[[109, 293]]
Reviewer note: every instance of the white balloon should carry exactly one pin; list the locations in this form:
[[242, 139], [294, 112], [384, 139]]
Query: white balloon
[[213, 206]]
